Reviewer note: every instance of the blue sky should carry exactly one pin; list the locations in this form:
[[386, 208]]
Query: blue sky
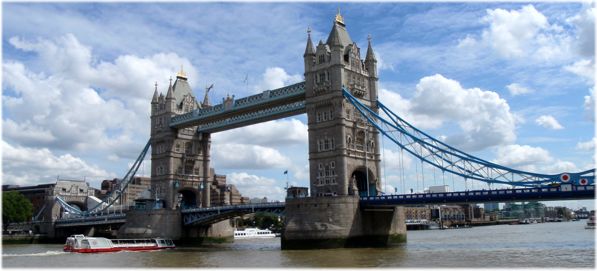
[[509, 82]]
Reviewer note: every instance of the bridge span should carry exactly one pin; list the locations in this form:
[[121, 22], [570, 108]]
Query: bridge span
[[345, 124]]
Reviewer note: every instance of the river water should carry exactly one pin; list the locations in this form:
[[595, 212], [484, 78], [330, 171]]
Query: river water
[[565, 244]]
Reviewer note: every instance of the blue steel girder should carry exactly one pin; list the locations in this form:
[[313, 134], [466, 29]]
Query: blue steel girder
[[480, 196], [91, 220], [452, 160], [114, 196], [249, 118], [210, 215], [268, 99]]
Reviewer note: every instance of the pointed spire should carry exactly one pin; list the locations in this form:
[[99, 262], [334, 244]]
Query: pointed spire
[[170, 95], [339, 18], [181, 74], [370, 55], [309, 50], [334, 37], [339, 35], [155, 94]]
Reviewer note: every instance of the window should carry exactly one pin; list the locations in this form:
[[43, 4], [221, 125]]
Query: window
[[318, 119], [332, 164], [321, 77], [321, 59], [320, 166], [177, 147]]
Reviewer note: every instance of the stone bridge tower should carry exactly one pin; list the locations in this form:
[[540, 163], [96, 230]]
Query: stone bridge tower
[[344, 157], [180, 157], [343, 148]]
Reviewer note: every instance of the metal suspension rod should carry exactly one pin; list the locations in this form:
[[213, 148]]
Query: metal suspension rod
[[440, 155]]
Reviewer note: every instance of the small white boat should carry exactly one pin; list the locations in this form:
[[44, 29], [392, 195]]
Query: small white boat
[[591, 221], [253, 233]]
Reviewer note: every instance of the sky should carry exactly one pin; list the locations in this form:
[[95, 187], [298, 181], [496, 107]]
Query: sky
[[512, 83]]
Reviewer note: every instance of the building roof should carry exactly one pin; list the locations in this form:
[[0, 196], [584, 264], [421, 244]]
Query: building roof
[[338, 35]]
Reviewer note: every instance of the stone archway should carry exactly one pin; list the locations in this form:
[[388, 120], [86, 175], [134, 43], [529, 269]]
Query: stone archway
[[361, 175], [187, 198]]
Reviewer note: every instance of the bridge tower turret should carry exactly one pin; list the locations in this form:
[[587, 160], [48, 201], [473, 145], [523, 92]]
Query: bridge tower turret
[[180, 157], [343, 148]]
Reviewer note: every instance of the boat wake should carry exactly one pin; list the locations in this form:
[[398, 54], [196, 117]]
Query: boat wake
[[41, 254]]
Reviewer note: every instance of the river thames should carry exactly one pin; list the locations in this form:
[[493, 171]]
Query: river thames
[[564, 244]]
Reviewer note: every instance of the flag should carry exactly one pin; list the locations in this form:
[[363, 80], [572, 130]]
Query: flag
[[286, 172]]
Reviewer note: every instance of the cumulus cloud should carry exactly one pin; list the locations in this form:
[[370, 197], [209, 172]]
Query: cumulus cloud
[[548, 121], [584, 23], [526, 33], [276, 77], [403, 107], [272, 133], [516, 89], [30, 166], [72, 104], [523, 32], [243, 156], [533, 159], [483, 116], [254, 186]]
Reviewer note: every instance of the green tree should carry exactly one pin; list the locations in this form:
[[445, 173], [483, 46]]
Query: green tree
[[15, 208]]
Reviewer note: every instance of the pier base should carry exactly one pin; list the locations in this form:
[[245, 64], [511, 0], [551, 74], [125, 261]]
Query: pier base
[[333, 222], [152, 223]]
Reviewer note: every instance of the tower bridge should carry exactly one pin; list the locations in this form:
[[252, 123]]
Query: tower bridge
[[345, 122]]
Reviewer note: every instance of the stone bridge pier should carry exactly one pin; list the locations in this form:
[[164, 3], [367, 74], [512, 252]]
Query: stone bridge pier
[[331, 222]]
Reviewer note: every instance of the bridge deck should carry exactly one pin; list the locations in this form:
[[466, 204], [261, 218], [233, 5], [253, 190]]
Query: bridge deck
[[480, 196], [268, 105]]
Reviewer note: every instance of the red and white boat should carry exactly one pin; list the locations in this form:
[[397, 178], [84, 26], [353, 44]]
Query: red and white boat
[[84, 244]]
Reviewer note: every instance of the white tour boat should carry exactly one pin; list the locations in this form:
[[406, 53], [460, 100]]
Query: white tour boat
[[84, 244], [253, 233]]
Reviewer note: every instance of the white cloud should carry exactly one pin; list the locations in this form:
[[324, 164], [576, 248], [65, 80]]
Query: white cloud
[[276, 77], [524, 32], [548, 121], [516, 89], [584, 68], [30, 166], [533, 159], [242, 156], [484, 118], [589, 104], [584, 22], [254, 186], [272, 133], [391, 159], [403, 108], [586, 145], [73, 104]]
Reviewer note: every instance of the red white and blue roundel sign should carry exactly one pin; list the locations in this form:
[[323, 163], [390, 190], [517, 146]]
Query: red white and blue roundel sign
[[565, 177], [583, 181]]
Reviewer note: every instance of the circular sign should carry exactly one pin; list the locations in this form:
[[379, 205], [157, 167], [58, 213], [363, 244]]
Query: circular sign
[[565, 177], [583, 181]]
